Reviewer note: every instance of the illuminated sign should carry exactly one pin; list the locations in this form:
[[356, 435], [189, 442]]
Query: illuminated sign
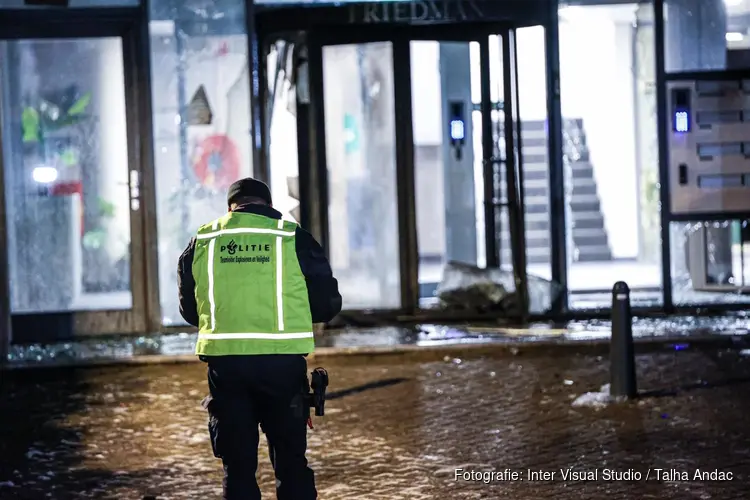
[[681, 121], [457, 130]]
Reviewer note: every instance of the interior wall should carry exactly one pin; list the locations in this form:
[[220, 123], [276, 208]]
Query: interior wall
[[597, 85], [428, 153]]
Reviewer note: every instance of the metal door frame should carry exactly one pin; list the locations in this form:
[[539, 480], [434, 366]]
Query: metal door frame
[[401, 37], [6, 329], [402, 135], [131, 26]]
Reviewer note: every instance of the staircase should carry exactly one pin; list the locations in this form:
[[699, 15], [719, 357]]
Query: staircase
[[590, 240]]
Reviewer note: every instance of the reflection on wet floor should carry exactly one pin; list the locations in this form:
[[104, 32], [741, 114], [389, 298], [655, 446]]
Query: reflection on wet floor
[[393, 431], [356, 338]]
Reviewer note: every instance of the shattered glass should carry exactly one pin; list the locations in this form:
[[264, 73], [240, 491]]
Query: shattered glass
[[66, 175], [181, 346], [199, 56], [710, 262], [469, 287]]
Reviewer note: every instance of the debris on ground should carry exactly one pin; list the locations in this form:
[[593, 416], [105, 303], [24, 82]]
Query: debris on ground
[[597, 400], [468, 287]]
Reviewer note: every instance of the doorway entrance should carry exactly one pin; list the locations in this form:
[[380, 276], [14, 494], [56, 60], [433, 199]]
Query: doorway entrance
[[71, 172], [410, 151]]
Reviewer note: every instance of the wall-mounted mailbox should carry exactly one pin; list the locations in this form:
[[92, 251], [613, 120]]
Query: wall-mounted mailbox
[[709, 146]]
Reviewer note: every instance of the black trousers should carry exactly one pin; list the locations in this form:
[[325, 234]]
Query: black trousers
[[266, 390]]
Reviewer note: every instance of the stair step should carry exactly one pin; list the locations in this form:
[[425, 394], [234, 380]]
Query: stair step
[[534, 238], [585, 203], [530, 201], [584, 186], [567, 123], [583, 156], [536, 163], [537, 182], [592, 240], [534, 140], [536, 166], [534, 173], [530, 259], [541, 190], [582, 233], [527, 130], [585, 232], [540, 160], [533, 149], [537, 221], [589, 223], [533, 255], [534, 183], [593, 254], [588, 214], [535, 192], [541, 238], [587, 220], [581, 221], [584, 254], [582, 166], [537, 209]]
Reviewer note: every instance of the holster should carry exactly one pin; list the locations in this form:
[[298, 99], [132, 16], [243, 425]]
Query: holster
[[209, 405]]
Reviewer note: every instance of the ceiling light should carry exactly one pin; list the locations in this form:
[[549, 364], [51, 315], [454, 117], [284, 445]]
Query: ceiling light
[[734, 37], [730, 3], [44, 175]]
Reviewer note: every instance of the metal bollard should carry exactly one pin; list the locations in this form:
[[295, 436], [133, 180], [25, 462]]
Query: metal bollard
[[622, 350]]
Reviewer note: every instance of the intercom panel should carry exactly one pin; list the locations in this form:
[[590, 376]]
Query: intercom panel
[[709, 146]]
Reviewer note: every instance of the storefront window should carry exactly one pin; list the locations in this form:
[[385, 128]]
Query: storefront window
[[710, 262], [201, 119], [607, 72], [705, 35], [65, 148]]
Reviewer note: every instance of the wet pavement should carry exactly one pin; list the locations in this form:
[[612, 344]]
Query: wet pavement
[[123, 432], [350, 340]]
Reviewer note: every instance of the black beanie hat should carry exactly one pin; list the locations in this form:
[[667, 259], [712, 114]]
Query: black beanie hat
[[248, 187]]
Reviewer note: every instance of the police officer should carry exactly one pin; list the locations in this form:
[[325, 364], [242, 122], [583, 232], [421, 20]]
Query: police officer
[[254, 285]]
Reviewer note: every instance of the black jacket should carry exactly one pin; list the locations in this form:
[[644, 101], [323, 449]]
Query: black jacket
[[322, 287]]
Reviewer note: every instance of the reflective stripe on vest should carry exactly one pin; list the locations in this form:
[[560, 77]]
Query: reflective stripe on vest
[[224, 320]]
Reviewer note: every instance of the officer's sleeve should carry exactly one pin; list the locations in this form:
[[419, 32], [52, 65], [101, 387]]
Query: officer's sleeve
[[322, 287], [186, 285]]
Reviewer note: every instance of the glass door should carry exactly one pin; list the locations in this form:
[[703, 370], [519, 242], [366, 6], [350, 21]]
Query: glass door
[[360, 170], [76, 257], [466, 153], [414, 164], [448, 158]]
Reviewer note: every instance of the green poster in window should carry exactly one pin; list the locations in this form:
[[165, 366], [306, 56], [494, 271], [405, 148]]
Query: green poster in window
[[351, 134], [31, 125]]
